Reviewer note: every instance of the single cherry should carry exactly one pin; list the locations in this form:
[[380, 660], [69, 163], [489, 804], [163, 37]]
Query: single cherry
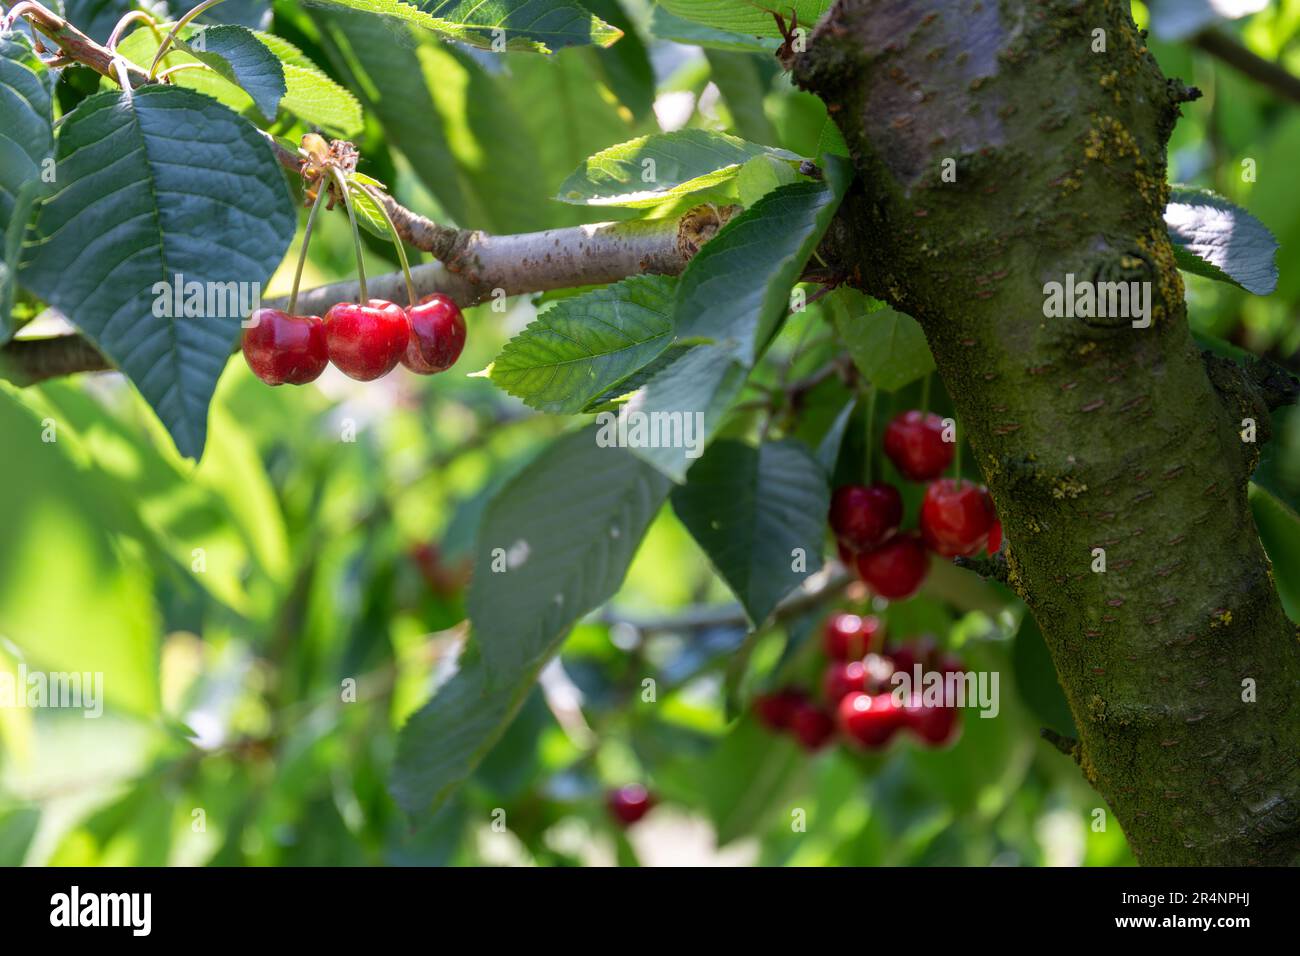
[[914, 443], [907, 656], [366, 341], [844, 678], [848, 636], [869, 721], [995, 537], [285, 349], [956, 517], [863, 516], [776, 710], [813, 726], [437, 335], [895, 569], [629, 804], [935, 725]]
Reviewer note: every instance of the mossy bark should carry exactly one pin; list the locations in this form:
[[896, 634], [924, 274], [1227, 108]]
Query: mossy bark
[[1090, 433]]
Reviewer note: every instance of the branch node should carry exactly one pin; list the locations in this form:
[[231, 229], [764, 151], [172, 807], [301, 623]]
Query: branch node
[[1066, 745], [993, 566]]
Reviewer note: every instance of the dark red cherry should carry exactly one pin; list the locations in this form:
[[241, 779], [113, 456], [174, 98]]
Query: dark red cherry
[[812, 726], [776, 710], [935, 725], [956, 517], [895, 569], [849, 636], [870, 721], [995, 537], [437, 335], [284, 349], [914, 443], [844, 677], [365, 342], [862, 516], [629, 804]]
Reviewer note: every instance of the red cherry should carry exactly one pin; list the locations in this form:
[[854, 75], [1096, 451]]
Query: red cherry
[[848, 637], [895, 569], [775, 711], [956, 517], [844, 678], [995, 537], [629, 804], [864, 516], [880, 670], [813, 726], [870, 721], [366, 341], [285, 349], [907, 656], [437, 335], [934, 725], [914, 443]]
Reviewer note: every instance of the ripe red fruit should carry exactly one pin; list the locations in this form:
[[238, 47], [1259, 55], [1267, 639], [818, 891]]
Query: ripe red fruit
[[906, 656], [862, 516], [895, 569], [813, 726], [776, 710], [956, 517], [285, 349], [995, 537], [844, 678], [848, 637], [870, 721], [366, 341], [437, 335], [914, 443], [934, 725], [629, 804]]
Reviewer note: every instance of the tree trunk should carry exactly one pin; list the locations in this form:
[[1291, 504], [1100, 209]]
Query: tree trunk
[[1181, 669]]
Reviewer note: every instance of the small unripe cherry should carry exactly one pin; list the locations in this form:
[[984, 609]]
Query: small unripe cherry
[[437, 335], [284, 349]]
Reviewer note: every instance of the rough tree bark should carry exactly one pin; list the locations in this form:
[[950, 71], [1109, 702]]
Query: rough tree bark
[[1091, 434]]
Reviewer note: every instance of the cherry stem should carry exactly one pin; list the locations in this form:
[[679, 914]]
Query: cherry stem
[[129, 18], [397, 240], [356, 233], [171, 37], [181, 66], [869, 459], [302, 253]]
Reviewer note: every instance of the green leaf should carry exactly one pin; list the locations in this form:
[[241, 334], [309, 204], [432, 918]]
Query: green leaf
[[736, 290], [745, 780], [550, 23], [1036, 680], [20, 219], [760, 176], [660, 167], [747, 17], [310, 95], [26, 136], [744, 81], [17, 830], [238, 56], [669, 26], [887, 346], [1214, 238], [584, 346], [564, 530], [625, 65], [612, 398], [369, 214], [1279, 530], [751, 510], [140, 202]]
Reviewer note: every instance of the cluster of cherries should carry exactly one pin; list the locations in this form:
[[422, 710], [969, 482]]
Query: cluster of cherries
[[364, 342], [857, 696], [957, 516]]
